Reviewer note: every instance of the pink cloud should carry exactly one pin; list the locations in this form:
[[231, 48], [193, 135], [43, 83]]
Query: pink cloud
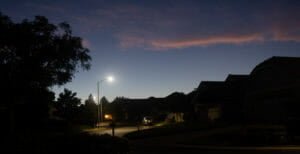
[[163, 44], [211, 40]]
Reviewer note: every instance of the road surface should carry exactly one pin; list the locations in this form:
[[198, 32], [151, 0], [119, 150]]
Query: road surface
[[119, 131]]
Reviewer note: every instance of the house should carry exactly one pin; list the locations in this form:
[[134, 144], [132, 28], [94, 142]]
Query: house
[[221, 100], [209, 100], [236, 86], [175, 117], [273, 94], [175, 106]]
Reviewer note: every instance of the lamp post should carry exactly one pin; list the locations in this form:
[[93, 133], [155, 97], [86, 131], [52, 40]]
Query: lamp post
[[100, 111]]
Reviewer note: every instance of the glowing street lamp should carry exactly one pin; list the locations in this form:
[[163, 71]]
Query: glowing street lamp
[[100, 111], [110, 79]]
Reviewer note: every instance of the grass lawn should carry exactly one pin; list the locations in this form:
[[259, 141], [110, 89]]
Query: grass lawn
[[195, 134], [167, 129]]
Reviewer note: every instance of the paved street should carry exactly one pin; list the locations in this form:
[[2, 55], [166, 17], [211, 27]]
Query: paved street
[[119, 131]]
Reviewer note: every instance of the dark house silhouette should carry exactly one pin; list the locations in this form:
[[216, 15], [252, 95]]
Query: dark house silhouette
[[273, 94], [209, 100], [135, 109], [221, 100], [177, 104], [236, 86]]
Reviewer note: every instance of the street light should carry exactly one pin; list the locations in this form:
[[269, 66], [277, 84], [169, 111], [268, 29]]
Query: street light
[[109, 79]]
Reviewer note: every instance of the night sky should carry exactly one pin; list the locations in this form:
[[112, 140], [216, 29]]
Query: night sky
[[156, 47]]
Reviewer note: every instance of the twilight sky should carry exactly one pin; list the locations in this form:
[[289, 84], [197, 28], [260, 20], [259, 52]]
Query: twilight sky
[[156, 47]]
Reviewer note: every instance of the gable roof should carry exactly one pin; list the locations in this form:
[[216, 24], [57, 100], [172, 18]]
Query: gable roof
[[236, 78], [211, 90], [211, 84]]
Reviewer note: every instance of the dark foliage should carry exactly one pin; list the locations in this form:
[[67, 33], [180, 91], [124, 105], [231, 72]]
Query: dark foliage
[[89, 112], [35, 55], [67, 106]]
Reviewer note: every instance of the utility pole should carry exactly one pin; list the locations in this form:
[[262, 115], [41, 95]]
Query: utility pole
[[98, 101]]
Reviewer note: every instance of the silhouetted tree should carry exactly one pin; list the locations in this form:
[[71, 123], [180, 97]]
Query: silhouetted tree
[[67, 105], [104, 100], [118, 109], [35, 55], [89, 111], [105, 105]]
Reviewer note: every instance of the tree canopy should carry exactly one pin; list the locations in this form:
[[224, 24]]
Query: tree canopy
[[67, 105], [40, 53], [34, 56], [90, 111]]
